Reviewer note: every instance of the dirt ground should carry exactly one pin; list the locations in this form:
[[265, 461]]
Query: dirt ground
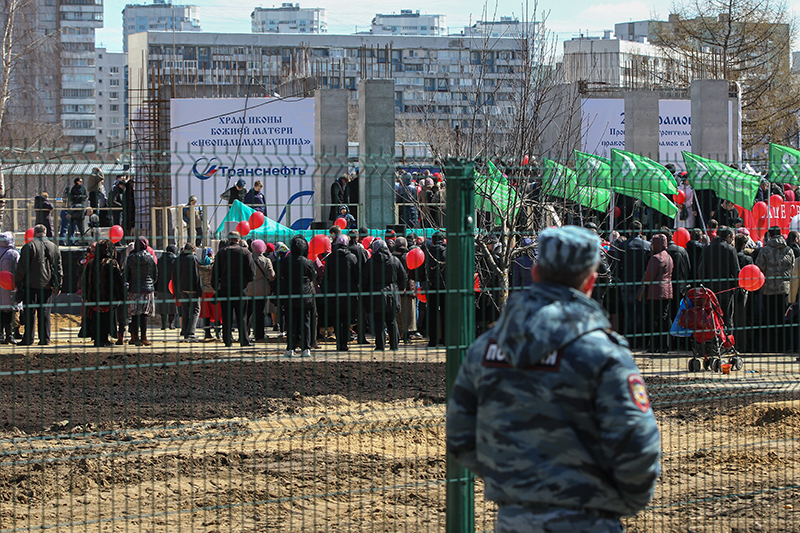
[[152, 442]]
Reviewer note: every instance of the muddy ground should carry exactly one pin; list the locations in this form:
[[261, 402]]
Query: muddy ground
[[160, 442]]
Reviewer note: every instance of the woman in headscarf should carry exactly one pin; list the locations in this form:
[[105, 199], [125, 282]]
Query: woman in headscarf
[[657, 292], [103, 289], [258, 289], [9, 257], [210, 311], [296, 275], [165, 305], [406, 318], [141, 274], [384, 275]]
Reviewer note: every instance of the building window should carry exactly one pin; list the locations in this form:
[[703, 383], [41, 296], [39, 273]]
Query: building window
[[114, 107], [113, 95], [113, 83]]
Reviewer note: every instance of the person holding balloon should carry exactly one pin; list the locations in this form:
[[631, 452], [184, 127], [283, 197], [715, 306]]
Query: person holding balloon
[[345, 220], [104, 288], [685, 199], [9, 257]]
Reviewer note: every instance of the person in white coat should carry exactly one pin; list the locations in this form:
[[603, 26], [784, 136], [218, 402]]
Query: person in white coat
[[687, 212]]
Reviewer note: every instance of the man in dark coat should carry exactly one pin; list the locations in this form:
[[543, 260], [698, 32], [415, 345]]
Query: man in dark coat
[[435, 260], [39, 276], [340, 286], [255, 198], [116, 201], [233, 270], [77, 204], [680, 270], [631, 262], [43, 209], [719, 270], [384, 276], [339, 195], [237, 192], [296, 275], [187, 286], [694, 248], [406, 197]]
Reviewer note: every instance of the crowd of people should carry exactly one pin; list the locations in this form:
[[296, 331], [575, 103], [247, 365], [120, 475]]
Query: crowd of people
[[87, 208]]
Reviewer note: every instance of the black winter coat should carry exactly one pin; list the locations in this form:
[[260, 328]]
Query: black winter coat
[[719, 262], [435, 260], [339, 196], [186, 275], [141, 272], [632, 260], [103, 283], [166, 270], [296, 274], [384, 276], [233, 270], [680, 269]]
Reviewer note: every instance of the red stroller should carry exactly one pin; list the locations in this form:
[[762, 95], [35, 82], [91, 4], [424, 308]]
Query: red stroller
[[703, 315]]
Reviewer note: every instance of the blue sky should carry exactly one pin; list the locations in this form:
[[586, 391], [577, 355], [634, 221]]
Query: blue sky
[[566, 18]]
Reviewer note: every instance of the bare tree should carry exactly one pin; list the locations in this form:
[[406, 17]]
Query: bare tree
[[743, 41]]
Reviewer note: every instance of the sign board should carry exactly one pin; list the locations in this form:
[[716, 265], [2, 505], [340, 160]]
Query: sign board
[[603, 127], [217, 141]]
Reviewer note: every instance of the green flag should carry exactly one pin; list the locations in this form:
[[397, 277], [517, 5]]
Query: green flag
[[562, 182], [495, 174], [729, 184], [639, 172], [495, 197], [596, 169], [784, 164], [593, 170]]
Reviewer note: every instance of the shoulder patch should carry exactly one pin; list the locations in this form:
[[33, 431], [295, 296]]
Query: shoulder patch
[[638, 392], [494, 356]]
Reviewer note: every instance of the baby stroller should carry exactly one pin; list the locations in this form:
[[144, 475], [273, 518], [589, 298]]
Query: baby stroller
[[702, 314]]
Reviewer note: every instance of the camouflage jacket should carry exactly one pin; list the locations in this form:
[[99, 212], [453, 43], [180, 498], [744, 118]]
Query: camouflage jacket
[[550, 408]]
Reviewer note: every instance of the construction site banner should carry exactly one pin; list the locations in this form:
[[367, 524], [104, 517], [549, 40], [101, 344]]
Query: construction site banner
[[603, 127], [218, 141]]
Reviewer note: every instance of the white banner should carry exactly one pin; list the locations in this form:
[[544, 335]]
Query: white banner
[[603, 127], [217, 141]]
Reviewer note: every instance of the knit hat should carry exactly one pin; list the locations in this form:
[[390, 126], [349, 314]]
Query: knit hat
[[569, 249], [363, 232]]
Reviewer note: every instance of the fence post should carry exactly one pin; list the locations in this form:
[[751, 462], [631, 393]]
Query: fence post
[[460, 302]]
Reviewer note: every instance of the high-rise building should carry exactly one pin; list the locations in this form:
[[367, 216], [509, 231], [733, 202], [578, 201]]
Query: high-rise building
[[110, 98], [409, 23], [289, 18], [158, 16], [77, 22]]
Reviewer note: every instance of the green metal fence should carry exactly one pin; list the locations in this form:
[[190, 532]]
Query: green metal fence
[[199, 436]]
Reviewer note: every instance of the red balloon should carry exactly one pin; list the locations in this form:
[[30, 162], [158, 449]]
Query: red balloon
[[421, 296], [28, 235], [775, 199], [751, 278], [478, 280], [679, 197], [256, 220], [243, 228], [437, 174], [419, 189], [415, 258], [617, 212], [525, 160], [318, 244], [171, 288], [341, 222], [760, 209], [681, 237], [7, 280], [116, 233], [366, 241]]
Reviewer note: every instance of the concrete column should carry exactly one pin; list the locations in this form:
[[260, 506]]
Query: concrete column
[[641, 123], [330, 140], [376, 152], [716, 125]]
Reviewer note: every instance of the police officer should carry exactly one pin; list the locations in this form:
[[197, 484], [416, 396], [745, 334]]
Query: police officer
[[549, 407]]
